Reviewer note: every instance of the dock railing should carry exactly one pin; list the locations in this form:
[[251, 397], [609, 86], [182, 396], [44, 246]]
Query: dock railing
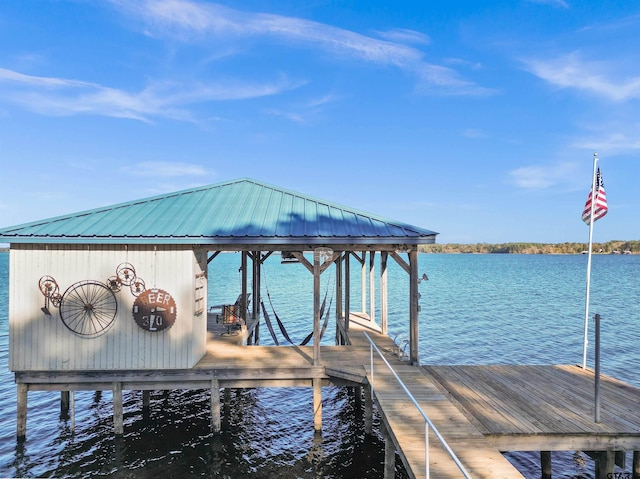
[[427, 422]]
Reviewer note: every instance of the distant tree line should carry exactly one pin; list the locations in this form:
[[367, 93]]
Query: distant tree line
[[610, 247]]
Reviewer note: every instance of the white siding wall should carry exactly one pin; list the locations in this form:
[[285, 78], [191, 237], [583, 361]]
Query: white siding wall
[[41, 342]]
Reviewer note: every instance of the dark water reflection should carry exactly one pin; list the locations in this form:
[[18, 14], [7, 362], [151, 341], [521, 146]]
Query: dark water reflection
[[266, 433]]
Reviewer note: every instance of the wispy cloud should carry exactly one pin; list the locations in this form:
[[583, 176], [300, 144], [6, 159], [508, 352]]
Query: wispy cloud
[[571, 71], [554, 3], [543, 177], [403, 35], [164, 169], [65, 97], [616, 141], [192, 21]]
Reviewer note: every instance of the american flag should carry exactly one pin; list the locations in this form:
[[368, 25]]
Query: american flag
[[600, 208]]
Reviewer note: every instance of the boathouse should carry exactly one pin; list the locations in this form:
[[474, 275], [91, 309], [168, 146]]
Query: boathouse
[[124, 287]]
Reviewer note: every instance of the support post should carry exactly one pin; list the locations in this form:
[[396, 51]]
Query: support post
[[316, 308], [389, 454], [384, 303], [317, 404], [545, 464], [604, 464], [118, 419], [363, 280], [372, 286], [22, 393], [64, 403], [257, 269], [339, 297], [347, 291], [243, 275], [215, 406], [635, 468], [146, 399], [368, 409], [413, 307], [72, 402]]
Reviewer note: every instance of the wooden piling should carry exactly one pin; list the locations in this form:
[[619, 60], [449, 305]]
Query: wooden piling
[[23, 391], [215, 406], [389, 454], [72, 404], [604, 464], [146, 399], [317, 404], [545, 464], [118, 419], [64, 404], [635, 468], [368, 410]]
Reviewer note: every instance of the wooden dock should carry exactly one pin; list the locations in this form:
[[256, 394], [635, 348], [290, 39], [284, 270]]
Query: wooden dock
[[481, 411]]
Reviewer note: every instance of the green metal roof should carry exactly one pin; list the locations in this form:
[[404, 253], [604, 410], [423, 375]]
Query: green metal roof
[[243, 212]]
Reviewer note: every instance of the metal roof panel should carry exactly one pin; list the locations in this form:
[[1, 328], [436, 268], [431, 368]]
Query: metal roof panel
[[237, 211]]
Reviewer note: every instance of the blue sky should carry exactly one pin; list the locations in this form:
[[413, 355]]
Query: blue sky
[[475, 119]]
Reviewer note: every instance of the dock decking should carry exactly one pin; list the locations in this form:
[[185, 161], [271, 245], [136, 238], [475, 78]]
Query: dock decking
[[534, 408]]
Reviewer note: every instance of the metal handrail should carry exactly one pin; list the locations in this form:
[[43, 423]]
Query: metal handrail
[[427, 422]]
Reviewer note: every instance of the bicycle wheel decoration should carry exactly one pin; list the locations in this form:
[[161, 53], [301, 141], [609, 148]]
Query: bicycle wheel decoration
[[88, 308]]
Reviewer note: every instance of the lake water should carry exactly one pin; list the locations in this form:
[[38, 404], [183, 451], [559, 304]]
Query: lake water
[[475, 309]]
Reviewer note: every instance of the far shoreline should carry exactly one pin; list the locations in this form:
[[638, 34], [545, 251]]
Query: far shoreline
[[631, 247]]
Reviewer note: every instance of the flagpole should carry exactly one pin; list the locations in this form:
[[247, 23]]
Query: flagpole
[[586, 306]]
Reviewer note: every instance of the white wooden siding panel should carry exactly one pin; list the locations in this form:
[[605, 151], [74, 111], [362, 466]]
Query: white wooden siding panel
[[38, 342]]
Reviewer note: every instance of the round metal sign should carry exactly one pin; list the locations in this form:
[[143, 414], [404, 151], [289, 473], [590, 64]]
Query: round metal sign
[[154, 310]]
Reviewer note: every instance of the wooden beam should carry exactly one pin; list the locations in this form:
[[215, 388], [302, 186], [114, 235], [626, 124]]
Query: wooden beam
[[265, 256], [64, 404], [604, 464], [72, 405], [363, 280], [403, 264], [413, 308], [372, 286], [355, 255], [384, 305], [256, 269], [347, 291], [303, 261], [620, 459], [243, 298], [635, 467], [118, 420], [146, 399], [211, 258], [339, 286], [389, 453], [317, 405], [316, 308], [545, 464], [21, 422], [368, 409], [215, 406]]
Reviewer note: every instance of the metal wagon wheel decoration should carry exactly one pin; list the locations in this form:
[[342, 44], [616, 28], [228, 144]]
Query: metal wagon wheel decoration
[[88, 308]]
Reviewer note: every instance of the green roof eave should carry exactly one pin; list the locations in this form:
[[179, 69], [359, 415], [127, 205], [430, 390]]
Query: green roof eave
[[200, 240]]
